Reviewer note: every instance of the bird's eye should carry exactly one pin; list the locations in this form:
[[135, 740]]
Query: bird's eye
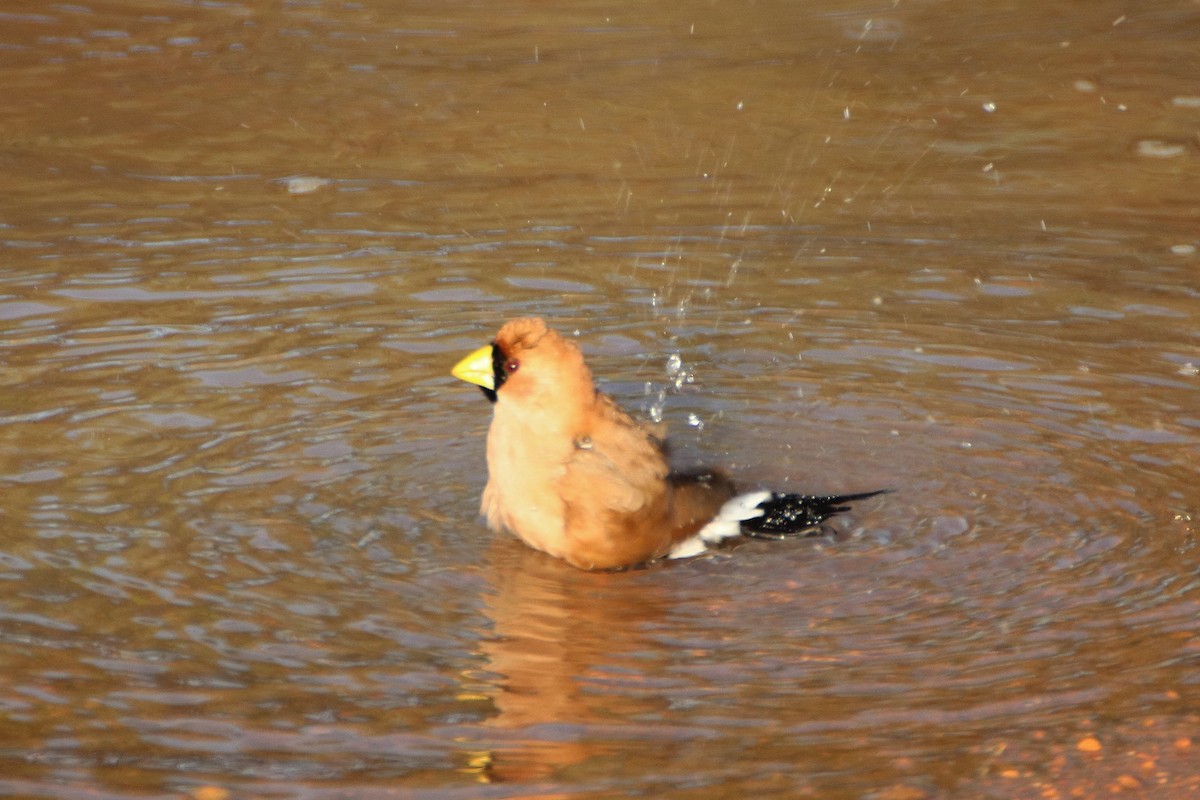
[[511, 366]]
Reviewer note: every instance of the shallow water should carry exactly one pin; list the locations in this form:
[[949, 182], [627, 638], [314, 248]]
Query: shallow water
[[951, 253]]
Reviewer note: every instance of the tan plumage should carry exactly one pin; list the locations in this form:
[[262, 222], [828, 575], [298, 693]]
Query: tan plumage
[[573, 475]]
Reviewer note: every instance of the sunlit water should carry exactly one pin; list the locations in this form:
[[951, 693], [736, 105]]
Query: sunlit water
[[952, 254]]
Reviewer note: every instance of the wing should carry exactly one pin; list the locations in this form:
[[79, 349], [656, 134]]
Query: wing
[[618, 465]]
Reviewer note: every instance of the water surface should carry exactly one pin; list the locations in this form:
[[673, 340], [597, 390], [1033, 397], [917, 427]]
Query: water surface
[[835, 247]]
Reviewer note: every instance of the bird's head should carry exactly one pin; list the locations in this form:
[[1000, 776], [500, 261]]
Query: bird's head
[[528, 362]]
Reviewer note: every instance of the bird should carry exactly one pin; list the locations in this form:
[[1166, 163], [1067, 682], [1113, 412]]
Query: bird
[[572, 474]]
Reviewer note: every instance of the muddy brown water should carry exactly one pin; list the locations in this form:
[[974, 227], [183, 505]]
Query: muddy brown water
[[945, 249]]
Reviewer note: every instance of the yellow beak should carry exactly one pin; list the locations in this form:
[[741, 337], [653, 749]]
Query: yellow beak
[[477, 369]]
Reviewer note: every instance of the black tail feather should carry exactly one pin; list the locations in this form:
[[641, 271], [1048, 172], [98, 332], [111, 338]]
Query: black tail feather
[[789, 515]]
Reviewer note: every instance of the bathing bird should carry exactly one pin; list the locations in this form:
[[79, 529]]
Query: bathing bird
[[573, 475]]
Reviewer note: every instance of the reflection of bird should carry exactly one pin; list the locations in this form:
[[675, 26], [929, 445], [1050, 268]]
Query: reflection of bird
[[575, 476]]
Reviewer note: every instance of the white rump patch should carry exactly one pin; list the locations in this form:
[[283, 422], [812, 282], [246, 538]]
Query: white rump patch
[[727, 524]]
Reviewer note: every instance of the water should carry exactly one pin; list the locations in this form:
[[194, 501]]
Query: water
[[834, 249]]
